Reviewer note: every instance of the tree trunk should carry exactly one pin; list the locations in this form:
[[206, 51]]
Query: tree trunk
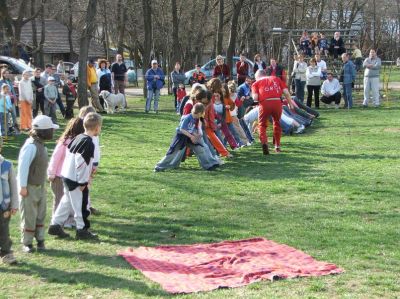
[[84, 43], [320, 13], [105, 31], [34, 33], [148, 39], [233, 33], [176, 50], [70, 28], [121, 27], [220, 29]]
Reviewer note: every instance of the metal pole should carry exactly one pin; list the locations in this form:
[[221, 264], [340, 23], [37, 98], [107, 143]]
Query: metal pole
[[289, 58]]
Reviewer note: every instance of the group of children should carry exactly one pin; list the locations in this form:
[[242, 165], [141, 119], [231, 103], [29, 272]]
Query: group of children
[[216, 115], [72, 167]]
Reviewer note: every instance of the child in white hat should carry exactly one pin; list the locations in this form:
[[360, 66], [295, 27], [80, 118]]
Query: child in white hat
[[32, 174]]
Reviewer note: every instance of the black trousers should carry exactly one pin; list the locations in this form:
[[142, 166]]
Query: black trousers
[[313, 89], [69, 111], [333, 98], [39, 105], [5, 241], [174, 91], [85, 209]]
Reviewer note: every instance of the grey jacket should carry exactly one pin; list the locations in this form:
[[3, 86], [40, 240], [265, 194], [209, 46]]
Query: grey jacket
[[50, 92], [177, 78], [299, 70], [313, 75], [374, 71]]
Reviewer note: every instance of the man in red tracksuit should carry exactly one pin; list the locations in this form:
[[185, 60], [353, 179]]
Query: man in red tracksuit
[[268, 91]]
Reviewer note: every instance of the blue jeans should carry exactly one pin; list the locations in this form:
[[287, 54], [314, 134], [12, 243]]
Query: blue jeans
[[348, 95], [300, 85], [207, 141], [201, 150], [4, 129], [246, 130], [150, 94], [235, 134]]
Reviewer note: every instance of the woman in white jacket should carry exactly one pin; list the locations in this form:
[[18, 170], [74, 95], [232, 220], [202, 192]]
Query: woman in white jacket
[[25, 101], [313, 75]]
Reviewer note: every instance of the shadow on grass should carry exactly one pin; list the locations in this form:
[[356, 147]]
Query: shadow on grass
[[91, 279], [153, 231]]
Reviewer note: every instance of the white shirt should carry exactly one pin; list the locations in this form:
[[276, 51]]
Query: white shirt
[[330, 87], [25, 90], [322, 65]]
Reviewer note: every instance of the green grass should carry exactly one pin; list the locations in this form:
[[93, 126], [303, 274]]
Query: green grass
[[334, 193]]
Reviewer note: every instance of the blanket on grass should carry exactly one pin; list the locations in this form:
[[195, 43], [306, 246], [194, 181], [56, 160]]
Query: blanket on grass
[[228, 264]]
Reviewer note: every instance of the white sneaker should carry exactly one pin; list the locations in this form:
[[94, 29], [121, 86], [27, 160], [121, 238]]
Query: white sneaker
[[300, 129]]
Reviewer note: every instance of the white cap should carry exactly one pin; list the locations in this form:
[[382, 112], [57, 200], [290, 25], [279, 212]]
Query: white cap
[[51, 79], [154, 61], [43, 122]]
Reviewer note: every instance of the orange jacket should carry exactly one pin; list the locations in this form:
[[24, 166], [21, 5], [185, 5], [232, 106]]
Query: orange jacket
[[91, 76], [228, 117]]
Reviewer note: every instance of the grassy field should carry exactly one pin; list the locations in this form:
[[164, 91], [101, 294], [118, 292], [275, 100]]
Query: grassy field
[[334, 193]]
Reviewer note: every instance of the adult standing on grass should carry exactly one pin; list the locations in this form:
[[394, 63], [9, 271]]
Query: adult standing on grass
[[242, 69], [372, 66], [177, 77], [268, 91], [299, 73], [104, 78], [44, 76], [313, 75], [222, 70], [93, 85], [25, 101], [275, 69], [347, 77], [155, 81], [38, 90], [258, 64], [118, 74]]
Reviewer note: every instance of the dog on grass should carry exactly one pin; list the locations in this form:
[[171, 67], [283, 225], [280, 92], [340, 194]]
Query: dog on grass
[[113, 100]]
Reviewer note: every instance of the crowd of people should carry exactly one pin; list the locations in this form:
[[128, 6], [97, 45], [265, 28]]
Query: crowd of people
[[43, 91], [218, 117]]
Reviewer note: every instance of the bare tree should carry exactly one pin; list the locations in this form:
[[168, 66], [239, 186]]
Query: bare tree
[[84, 42], [148, 37], [220, 29], [237, 6]]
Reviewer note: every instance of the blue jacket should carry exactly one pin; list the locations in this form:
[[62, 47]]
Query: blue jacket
[[8, 186], [153, 83], [349, 72], [244, 90]]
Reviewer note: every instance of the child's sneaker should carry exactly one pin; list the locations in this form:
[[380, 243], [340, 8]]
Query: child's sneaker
[[57, 230], [265, 149], [9, 259], [28, 248], [84, 234], [40, 245]]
